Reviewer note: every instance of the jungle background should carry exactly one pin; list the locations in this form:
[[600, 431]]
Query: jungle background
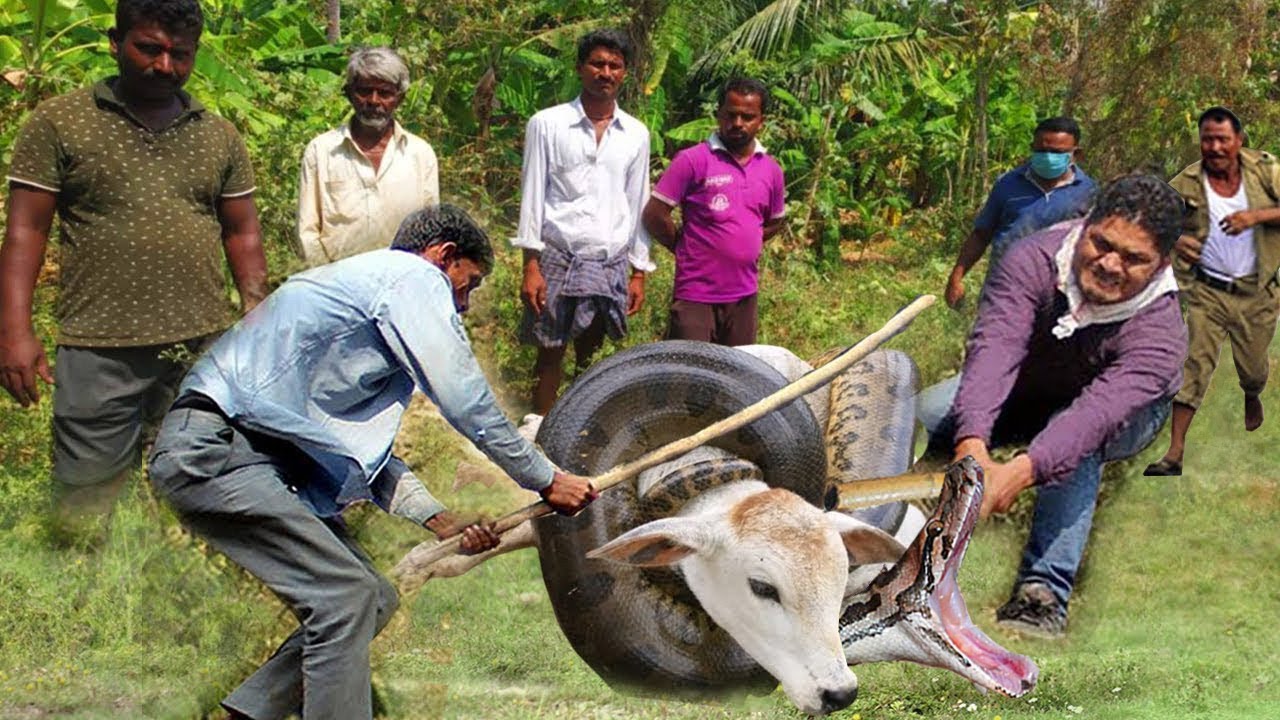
[[892, 120]]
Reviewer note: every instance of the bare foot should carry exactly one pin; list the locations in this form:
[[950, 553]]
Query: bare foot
[[1252, 412]]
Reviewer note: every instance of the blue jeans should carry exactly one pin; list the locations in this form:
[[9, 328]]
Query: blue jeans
[[1064, 510]]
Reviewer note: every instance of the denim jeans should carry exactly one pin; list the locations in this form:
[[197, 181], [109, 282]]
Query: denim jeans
[[1064, 510]]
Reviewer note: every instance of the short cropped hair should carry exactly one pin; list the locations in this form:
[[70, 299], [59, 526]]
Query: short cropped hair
[[612, 39], [181, 17], [436, 224], [1060, 124], [377, 63], [1146, 201], [745, 86], [1217, 113]]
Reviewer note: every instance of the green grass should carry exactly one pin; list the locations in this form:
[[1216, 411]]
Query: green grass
[[1175, 615]]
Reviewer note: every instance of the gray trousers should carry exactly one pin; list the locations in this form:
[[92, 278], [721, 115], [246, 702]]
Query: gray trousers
[[234, 491], [107, 404]]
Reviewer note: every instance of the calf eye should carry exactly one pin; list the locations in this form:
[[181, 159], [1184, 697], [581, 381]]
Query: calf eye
[[764, 590]]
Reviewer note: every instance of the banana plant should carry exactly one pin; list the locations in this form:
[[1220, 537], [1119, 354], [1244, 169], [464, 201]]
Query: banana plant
[[51, 45]]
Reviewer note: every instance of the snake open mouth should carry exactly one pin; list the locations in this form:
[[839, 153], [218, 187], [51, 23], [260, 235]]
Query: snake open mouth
[[990, 666]]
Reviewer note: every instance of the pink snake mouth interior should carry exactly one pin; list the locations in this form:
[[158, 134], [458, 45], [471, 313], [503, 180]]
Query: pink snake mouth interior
[[1005, 672]]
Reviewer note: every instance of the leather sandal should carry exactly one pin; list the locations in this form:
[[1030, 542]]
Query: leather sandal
[[1164, 467]]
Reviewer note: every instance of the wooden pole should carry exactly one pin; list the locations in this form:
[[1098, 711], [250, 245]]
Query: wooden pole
[[804, 385]]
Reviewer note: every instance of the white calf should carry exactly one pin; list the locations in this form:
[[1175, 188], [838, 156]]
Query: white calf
[[770, 569]]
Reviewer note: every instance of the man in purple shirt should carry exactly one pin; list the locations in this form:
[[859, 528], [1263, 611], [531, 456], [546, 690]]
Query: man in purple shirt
[[1078, 350], [732, 196]]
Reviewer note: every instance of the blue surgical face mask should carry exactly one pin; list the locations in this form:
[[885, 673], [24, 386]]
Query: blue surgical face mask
[[1050, 165]]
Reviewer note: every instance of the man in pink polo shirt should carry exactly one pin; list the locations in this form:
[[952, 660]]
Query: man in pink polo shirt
[[732, 194]]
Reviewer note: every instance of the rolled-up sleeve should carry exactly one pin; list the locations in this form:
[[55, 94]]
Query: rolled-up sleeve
[[426, 334], [533, 187]]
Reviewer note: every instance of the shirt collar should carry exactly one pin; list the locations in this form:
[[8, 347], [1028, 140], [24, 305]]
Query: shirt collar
[[1077, 176], [104, 92], [717, 144], [580, 114]]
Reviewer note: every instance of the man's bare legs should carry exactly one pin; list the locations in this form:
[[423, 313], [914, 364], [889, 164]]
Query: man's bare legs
[[548, 369], [1171, 463]]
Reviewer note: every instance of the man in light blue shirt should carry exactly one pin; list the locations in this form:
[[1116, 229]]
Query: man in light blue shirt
[[290, 417]]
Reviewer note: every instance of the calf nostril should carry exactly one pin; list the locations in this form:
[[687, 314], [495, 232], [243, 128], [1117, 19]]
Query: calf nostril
[[833, 700]]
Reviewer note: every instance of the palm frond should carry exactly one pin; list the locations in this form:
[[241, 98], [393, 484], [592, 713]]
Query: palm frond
[[770, 28]]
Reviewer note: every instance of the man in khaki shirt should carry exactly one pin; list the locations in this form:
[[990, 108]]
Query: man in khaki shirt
[[1226, 264], [361, 179]]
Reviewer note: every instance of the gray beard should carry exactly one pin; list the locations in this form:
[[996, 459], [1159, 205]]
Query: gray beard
[[375, 123]]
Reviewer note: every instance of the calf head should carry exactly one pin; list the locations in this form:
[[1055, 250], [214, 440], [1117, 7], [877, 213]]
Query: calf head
[[771, 570]]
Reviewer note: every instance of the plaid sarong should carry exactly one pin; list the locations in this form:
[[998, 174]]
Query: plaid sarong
[[578, 290]]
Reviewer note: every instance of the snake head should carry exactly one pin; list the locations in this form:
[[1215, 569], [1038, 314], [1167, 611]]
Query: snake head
[[914, 611]]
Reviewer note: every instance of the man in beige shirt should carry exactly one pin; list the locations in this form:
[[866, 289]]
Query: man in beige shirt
[[361, 179]]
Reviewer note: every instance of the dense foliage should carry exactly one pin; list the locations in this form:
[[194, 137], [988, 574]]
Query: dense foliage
[[884, 106]]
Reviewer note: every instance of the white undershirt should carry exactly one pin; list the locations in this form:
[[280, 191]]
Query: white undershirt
[[1224, 256]]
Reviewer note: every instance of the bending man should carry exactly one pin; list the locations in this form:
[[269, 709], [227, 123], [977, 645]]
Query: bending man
[[291, 416]]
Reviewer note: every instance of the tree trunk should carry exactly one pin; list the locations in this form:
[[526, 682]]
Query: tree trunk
[[644, 19], [333, 21]]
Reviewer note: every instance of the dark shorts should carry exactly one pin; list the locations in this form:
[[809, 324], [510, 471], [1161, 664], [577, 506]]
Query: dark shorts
[[108, 403], [730, 323]]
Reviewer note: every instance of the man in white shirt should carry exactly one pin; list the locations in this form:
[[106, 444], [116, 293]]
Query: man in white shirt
[[361, 179], [584, 184], [1226, 262]]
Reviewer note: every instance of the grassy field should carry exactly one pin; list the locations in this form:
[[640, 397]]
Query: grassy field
[[1175, 616]]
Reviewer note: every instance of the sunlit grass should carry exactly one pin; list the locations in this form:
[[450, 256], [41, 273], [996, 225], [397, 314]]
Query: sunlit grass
[[1175, 615]]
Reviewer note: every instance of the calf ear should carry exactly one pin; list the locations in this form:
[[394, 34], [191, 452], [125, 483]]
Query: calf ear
[[655, 544], [865, 543]]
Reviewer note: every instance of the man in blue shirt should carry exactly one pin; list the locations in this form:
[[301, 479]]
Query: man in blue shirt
[[291, 416], [1043, 191]]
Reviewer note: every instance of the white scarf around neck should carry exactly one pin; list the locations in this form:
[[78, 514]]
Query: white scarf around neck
[[1082, 313]]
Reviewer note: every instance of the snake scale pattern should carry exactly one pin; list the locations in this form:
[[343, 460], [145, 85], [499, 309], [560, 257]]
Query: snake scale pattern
[[641, 627]]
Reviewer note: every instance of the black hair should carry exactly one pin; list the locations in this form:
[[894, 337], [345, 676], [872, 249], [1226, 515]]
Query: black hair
[[436, 224], [1060, 124], [612, 39], [182, 17], [1218, 113], [1146, 201], [745, 86]]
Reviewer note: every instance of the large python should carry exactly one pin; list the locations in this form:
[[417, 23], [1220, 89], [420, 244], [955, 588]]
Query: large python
[[641, 627]]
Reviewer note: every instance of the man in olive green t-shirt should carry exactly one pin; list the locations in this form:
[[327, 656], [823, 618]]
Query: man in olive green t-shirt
[[151, 190]]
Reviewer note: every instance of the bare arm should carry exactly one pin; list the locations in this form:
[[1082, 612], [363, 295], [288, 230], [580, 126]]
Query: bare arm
[[533, 289], [1238, 222], [970, 253], [773, 227], [242, 241], [657, 220], [22, 357]]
